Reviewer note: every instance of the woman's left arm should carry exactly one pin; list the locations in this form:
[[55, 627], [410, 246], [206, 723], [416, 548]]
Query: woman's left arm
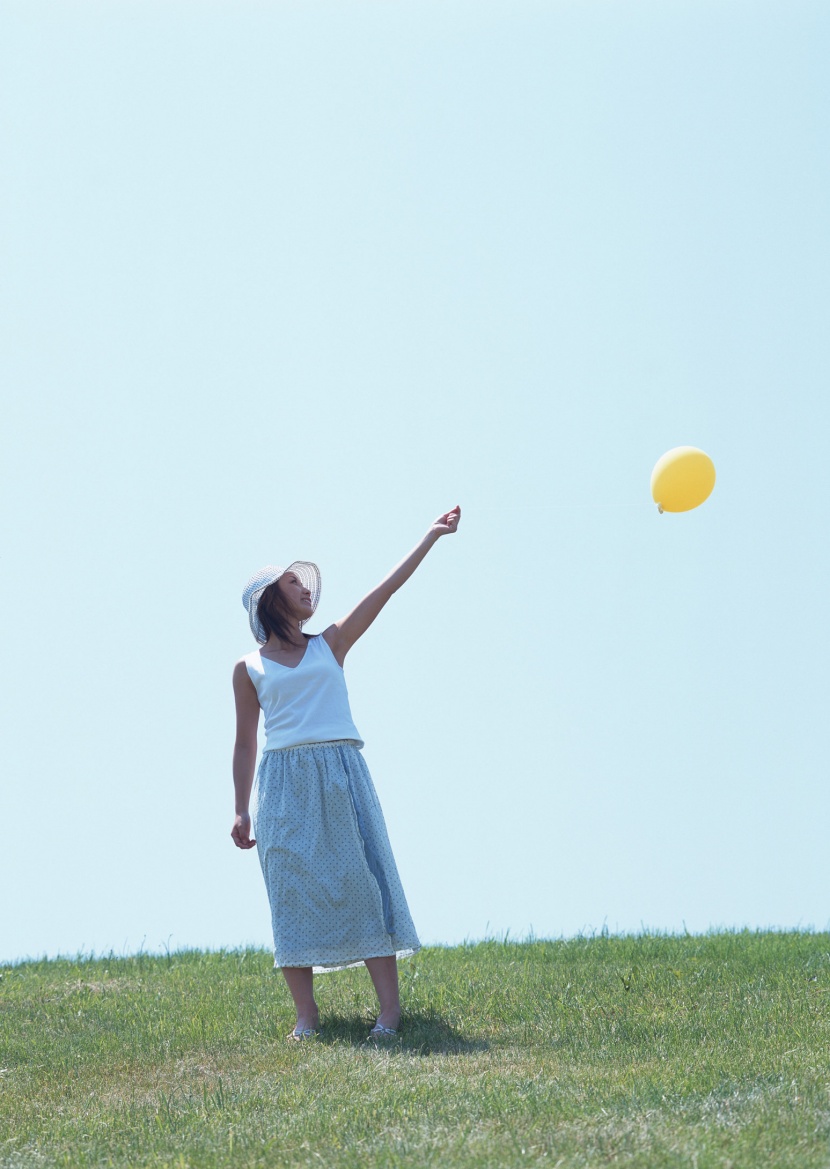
[[344, 633]]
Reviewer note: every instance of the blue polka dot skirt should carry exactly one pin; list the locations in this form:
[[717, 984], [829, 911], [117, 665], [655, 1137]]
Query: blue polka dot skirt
[[335, 894]]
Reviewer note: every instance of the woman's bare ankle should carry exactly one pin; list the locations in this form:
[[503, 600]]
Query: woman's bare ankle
[[307, 1020], [390, 1017]]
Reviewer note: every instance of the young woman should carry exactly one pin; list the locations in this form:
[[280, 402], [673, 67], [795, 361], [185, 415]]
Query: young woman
[[336, 898]]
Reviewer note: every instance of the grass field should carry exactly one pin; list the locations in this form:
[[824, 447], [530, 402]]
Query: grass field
[[641, 1051]]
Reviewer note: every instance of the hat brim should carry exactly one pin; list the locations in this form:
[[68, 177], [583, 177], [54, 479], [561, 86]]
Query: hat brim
[[309, 575]]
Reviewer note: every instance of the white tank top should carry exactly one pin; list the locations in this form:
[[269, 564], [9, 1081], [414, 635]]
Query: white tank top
[[308, 703]]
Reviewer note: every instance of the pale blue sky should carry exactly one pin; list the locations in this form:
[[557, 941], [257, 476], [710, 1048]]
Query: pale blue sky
[[286, 280]]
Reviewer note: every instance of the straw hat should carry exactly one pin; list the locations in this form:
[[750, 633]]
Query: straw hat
[[308, 573]]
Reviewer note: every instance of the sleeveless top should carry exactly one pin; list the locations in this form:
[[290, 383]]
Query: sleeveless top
[[307, 703]]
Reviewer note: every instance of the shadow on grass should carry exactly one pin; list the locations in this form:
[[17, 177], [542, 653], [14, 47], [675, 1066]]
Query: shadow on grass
[[420, 1033]]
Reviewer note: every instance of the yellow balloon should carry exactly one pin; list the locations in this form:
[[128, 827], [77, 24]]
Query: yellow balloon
[[682, 479]]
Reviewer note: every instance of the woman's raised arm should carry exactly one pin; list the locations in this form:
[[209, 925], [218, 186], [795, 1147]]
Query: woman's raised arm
[[344, 633]]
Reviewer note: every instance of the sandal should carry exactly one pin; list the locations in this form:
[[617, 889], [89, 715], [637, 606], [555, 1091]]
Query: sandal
[[381, 1032], [305, 1033]]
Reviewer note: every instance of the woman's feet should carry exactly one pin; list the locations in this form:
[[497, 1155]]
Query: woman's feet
[[381, 1032], [389, 1019], [306, 1027], [300, 1033], [386, 1025]]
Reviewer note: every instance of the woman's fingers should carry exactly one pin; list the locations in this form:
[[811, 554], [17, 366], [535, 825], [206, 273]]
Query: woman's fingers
[[449, 519], [241, 834]]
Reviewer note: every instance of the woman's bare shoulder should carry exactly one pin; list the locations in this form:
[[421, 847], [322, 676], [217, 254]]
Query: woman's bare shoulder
[[333, 640], [329, 636], [240, 667]]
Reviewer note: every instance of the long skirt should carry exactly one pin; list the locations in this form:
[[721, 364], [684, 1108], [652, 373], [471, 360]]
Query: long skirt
[[336, 897]]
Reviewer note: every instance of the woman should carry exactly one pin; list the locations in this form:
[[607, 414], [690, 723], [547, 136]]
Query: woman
[[336, 898]]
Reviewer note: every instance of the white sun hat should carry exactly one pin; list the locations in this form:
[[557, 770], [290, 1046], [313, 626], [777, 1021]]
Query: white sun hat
[[308, 573]]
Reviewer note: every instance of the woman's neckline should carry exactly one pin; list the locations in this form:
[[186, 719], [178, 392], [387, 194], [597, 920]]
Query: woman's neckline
[[282, 664]]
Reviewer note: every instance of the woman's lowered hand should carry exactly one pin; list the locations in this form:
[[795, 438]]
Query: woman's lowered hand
[[241, 831]]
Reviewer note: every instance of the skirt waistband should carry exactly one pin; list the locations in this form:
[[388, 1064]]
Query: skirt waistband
[[321, 743]]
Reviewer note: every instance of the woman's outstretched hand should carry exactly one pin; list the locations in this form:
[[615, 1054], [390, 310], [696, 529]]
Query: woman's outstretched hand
[[447, 523], [241, 832]]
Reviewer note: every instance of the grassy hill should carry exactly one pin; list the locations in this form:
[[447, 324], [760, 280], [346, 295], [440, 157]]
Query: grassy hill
[[643, 1051]]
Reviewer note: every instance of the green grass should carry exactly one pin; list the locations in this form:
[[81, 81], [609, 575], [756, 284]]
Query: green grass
[[643, 1051]]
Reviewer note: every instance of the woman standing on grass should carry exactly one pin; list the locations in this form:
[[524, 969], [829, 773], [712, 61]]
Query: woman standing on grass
[[336, 898]]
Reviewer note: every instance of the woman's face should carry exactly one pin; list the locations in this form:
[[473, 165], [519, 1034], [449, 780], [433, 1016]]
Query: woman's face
[[295, 595]]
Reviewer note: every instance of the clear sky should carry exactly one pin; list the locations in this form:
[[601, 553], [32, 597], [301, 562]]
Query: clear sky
[[287, 280]]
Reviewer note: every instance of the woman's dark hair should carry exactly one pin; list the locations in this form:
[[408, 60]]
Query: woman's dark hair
[[273, 617]]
